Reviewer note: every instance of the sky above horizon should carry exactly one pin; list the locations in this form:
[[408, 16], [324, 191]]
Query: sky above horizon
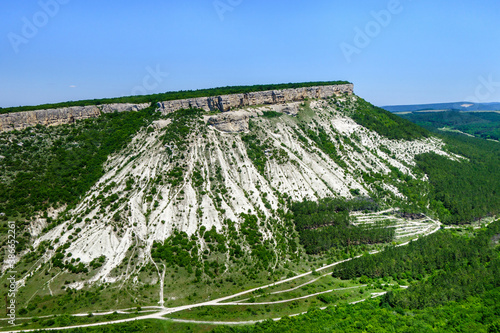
[[395, 52]]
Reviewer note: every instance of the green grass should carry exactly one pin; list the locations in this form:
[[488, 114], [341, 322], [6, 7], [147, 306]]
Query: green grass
[[306, 113], [142, 326], [38, 300], [276, 310], [62, 320]]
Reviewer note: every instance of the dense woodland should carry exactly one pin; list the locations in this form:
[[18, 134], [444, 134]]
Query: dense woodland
[[173, 95], [478, 314], [457, 290], [325, 224], [466, 190], [449, 267]]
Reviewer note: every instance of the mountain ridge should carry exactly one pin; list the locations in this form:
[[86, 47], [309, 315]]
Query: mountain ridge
[[147, 207], [164, 199], [49, 117], [462, 106]]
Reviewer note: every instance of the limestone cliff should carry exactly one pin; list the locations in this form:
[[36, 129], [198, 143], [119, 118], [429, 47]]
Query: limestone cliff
[[225, 103], [51, 117], [110, 108]]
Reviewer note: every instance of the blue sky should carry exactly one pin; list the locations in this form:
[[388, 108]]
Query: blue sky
[[395, 52]]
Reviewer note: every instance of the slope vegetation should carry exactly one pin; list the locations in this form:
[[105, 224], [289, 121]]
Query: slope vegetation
[[183, 206]]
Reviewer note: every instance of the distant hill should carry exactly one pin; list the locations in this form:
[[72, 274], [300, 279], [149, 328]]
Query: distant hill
[[461, 106]]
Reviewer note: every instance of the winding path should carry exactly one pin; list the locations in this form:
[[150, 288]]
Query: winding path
[[165, 311]]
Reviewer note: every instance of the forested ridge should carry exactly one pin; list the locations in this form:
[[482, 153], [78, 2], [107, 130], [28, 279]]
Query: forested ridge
[[453, 276], [173, 95]]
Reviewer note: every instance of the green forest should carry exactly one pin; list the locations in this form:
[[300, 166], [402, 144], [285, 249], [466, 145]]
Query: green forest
[[325, 224], [466, 190], [454, 287], [449, 267], [478, 314], [385, 123], [173, 95]]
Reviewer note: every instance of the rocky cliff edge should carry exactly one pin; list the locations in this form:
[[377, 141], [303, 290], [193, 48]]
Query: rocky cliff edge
[[226, 103], [51, 117], [223, 103]]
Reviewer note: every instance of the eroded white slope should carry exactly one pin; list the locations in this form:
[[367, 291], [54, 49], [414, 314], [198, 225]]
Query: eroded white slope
[[151, 208]]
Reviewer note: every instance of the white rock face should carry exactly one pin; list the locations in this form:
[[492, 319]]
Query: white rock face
[[122, 107], [162, 123], [231, 122], [226, 103], [53, 117], [151, 208]]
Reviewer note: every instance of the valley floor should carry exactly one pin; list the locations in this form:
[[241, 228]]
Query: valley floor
[[295, 298]]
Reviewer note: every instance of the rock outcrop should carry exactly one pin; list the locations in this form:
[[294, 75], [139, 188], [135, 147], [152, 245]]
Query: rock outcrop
[[291, 109], [226, 103], [110, 108], [231, 122], [162, 123], [52, 117]]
